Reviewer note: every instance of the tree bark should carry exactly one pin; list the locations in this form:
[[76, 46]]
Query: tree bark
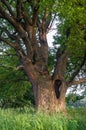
[[49, 94]]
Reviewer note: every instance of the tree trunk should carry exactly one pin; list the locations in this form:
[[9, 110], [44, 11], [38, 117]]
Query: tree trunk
[[50, 96]]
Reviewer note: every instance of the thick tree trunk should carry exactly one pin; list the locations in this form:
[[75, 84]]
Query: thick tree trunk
[[49, 94]]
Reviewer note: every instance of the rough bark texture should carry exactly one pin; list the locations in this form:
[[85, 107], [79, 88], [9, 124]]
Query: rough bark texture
[[51, 100], [49, 94]]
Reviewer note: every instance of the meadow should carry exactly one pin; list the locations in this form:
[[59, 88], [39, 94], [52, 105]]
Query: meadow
[[27, 119]]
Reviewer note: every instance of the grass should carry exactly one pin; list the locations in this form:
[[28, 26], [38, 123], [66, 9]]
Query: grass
[[80, 116], [27, 119]]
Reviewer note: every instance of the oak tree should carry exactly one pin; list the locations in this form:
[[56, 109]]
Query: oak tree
[[24, 25]]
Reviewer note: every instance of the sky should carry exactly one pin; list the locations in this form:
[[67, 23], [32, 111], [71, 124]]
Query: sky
[[51, 34], [50, 37]]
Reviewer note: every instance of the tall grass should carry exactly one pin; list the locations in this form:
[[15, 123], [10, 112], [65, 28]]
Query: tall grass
[[79, 114], [11, 119]]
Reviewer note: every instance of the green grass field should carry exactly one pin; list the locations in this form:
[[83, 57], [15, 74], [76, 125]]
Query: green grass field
[[27, 119]]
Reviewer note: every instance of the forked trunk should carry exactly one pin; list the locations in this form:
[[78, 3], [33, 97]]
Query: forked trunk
[[49, 94]]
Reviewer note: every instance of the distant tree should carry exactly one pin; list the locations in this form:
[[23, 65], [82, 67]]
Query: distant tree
[[15, 90], [24, 26]]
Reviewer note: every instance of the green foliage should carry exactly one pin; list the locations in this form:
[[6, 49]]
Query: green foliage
[[71, 33], [73, 97], [14, 86], [28, 120], [80, 116], [73, 25]]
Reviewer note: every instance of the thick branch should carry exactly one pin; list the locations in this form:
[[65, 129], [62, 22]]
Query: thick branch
[[42, 27], [74, 82], [19, 9], [26, 18], [19, 28], [35, 13], [5, 15], [60, 67], [13, 21]]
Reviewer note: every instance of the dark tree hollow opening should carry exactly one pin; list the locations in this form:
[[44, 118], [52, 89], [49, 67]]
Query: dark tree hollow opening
[[57, 85]]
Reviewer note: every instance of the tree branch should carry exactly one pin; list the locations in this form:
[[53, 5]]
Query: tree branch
[[74, 82], [9, 34], [19, 9], [5, 15], [12, 36], [78, 68], [50, 23], [8, 7], [20, 30], [8, 67], [26, 18], [35, 14], [15, 46], [60, 67], [20, 67], [13, 22]]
